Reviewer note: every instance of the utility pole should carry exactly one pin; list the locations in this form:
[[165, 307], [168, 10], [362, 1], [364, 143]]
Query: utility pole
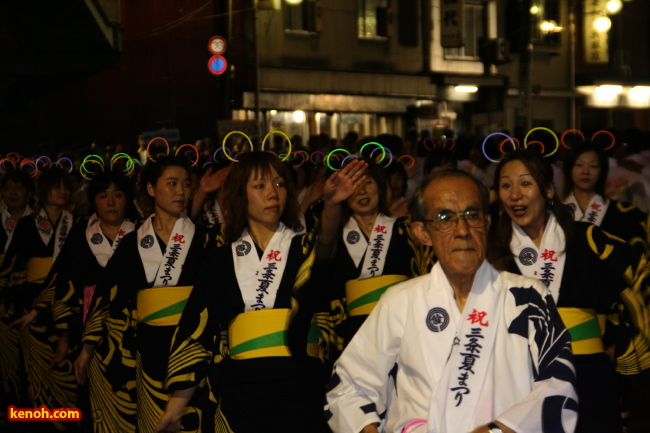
[[525, 67]]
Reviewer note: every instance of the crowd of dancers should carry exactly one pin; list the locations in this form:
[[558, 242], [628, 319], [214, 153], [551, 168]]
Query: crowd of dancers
[[214, 290]]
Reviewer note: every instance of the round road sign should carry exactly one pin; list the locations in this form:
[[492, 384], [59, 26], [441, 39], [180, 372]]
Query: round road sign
[[217, 45], [217, 65]]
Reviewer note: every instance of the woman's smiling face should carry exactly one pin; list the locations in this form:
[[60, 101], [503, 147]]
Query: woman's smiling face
[[521, 197], [365, 200]]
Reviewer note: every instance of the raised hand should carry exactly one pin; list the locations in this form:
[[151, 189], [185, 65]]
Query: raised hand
[[341, 185], [312, 194], [212, 180]]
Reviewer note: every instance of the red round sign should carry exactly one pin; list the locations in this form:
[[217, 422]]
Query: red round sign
[[217, 65], [217, 45]]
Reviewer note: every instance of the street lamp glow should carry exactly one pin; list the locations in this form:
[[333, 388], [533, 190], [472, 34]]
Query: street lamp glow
[[602, 24], [609, 89], [466, 89], [549, 26], [534, 10], [299, 116], [639, 97], [293, 2], [640, 90], [606, 95], [614, 6]]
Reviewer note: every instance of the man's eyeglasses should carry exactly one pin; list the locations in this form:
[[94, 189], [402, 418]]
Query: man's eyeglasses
[[447, 221]]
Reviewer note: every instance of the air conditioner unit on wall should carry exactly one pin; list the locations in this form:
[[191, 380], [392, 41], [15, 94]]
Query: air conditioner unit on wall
[[494, 51]]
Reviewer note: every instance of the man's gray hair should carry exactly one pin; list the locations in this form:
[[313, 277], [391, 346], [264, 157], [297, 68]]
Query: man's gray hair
[[417, 206]]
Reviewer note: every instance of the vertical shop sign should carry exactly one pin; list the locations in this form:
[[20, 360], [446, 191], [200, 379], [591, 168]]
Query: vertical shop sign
[[452, 23], [596, 44]]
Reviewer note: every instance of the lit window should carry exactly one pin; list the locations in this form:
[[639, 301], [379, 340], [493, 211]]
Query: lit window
[[373, 18], [474, 30], [303, 16]]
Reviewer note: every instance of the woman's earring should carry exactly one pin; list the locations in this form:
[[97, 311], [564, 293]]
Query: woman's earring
[[550, 203]]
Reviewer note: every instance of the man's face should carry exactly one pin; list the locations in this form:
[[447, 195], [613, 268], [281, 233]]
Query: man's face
[[461, 250]]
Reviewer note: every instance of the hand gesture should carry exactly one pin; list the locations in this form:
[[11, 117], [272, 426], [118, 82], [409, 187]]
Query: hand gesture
[[212, 181], [616, 186], [630, 165], [24, 321], [313, 192], [341, 185]]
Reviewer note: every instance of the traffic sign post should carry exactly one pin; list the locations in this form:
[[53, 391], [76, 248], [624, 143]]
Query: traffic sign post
[[217, 65], [217, 45]]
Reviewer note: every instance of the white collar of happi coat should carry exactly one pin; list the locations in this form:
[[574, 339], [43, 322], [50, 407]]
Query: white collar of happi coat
[[9, 222], [165, 271], [459, 395], [545, 263], [214, 212], [99, 245], [595, 211], [259, 279], [45, 229], [374, 251]]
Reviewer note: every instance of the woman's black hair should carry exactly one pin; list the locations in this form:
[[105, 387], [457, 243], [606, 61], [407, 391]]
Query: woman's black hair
[[570, 161], [102, 180], [18, 177], [235, 201], [542, 172], [48, 180], [439, 157], [397, 168], [153, 170]]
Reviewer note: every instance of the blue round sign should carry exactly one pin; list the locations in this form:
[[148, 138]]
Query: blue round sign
[[217, 65]]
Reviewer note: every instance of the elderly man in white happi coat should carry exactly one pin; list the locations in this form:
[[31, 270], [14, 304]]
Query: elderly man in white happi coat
[[463, 349]]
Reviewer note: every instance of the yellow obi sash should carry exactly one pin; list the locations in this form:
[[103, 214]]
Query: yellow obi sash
[[162, 306], [259, 334], [38, 268], [362, 295], [585, 330]]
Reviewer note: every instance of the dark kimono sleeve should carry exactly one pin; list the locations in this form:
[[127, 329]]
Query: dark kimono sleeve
[[66, 309], [59, 293], [632, 225], [197, 336], [13, 271], [94, 330], [53, 289], [625, 267]]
